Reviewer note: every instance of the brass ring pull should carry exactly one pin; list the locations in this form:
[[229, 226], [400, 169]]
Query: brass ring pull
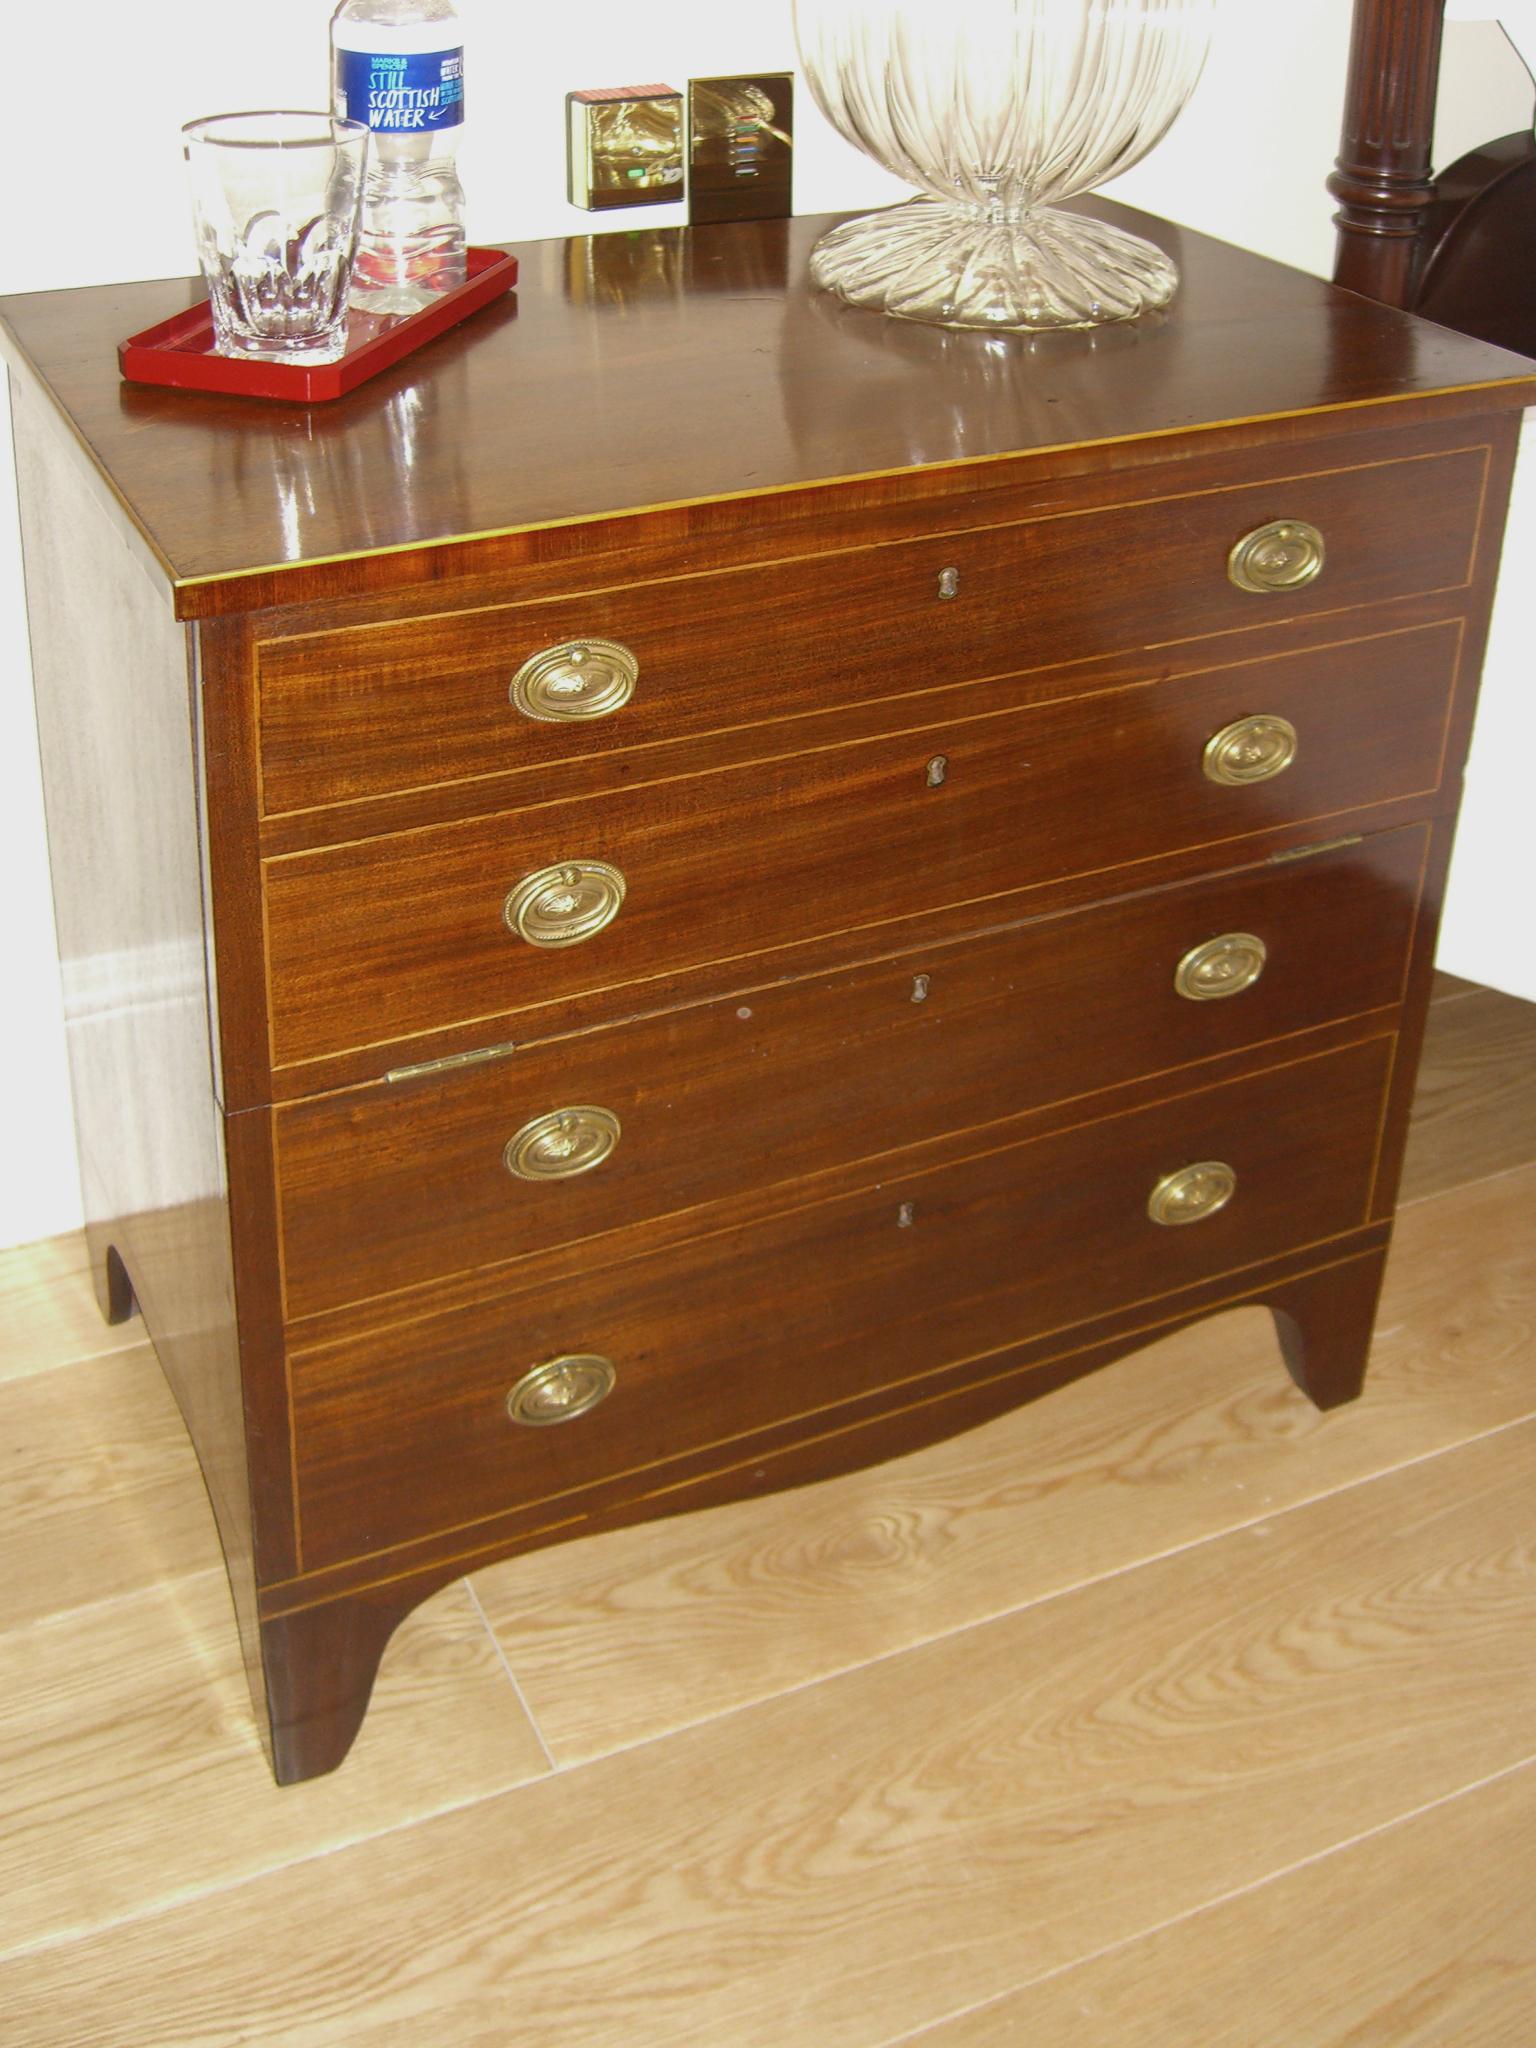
[[1221, 967], [575, 679], [566, 903], [1193, 1193], [561, 1390], [1250, 750], [1287, 554], [562, 1143]]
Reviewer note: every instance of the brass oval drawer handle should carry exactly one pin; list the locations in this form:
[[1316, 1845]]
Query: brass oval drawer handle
[[1220, 967], [1250, 750], [566, 903], [1193, 1193], [1287, 554], [562, 1143], [561, 1389], [575, 679]]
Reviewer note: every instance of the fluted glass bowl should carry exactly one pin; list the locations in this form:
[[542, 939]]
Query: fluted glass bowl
[[997, 110]]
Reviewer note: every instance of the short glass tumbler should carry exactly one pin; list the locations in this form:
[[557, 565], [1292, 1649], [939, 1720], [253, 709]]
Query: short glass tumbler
[[275, 200], [997, 109]]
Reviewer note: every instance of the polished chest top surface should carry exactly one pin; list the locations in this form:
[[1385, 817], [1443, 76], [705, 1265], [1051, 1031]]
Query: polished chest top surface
[[684, 368]]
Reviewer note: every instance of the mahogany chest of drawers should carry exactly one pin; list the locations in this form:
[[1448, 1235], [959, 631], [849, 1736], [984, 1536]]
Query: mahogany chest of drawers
[[696, 888]]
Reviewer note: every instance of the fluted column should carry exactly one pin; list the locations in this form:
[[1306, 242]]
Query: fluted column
[[1383, 179]]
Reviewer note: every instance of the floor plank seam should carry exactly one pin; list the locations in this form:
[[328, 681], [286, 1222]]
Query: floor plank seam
[[108, 1601], [1211, 1905], [160, 1909], [517, 1691], [1005, 1614], [38, 1372], [1481, 1180]]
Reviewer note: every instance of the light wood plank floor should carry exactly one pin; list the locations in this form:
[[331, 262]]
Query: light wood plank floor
[[1165, 1712]]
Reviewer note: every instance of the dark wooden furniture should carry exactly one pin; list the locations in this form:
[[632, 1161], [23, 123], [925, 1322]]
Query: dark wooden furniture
[[1025, 878], [1454, 247]]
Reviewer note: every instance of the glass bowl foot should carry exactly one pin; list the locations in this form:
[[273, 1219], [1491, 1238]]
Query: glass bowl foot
[[928, 260]]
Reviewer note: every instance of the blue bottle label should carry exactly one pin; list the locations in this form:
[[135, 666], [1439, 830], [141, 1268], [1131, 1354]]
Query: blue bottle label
[[415, 95]]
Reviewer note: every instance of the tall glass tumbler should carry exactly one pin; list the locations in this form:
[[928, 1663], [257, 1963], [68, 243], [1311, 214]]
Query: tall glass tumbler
[[275, 199]]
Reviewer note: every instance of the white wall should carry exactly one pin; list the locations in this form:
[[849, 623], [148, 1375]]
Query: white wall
[[1246, 163]]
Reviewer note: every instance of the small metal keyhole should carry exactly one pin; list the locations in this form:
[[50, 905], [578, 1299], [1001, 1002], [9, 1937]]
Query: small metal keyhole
[[949, 583], [920, 988], [905, 1214], [938, 768]]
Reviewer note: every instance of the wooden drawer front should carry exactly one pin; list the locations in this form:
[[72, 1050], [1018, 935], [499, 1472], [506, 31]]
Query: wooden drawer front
[[406, 1431], [405, 934], [399, 706], [384, 1187]]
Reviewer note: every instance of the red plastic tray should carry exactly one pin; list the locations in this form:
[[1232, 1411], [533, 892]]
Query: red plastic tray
[[179, 351]]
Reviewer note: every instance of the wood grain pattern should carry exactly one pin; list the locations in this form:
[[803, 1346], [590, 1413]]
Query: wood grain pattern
[[871, 805], [877, 1852], [621, 1639], [1120, 1467], [98, 1493], [117, 717], [1421, 1936], [1473, 1113], [388, 1186], [131, 1773], [376, 709], [497, 428], [854, 838], [51, 1318], [428, 1397]]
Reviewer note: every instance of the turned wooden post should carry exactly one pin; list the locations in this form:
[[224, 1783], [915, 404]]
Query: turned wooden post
[[1383, 180]]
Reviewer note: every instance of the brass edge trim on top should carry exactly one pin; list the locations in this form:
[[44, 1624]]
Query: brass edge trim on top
[[505, 1546], [920, 1172], [820, 483], [937, 533]]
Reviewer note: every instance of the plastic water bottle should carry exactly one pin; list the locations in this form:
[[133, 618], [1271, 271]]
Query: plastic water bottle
[[398, 65]]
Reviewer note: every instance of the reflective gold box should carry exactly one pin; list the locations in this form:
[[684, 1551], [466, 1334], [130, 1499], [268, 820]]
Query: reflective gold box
[[740, 146], [624, 147]]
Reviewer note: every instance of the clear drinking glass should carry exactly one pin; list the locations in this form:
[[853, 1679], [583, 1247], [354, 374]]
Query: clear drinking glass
[[997, 109], [275, 199]]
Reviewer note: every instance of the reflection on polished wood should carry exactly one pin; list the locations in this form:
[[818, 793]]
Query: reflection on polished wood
[[120, 781], [574, 405]]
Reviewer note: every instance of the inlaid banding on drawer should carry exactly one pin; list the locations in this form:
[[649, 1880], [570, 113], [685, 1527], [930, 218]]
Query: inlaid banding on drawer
[[384, 708], [405, 1431], [389, 938], [387, 1187]]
